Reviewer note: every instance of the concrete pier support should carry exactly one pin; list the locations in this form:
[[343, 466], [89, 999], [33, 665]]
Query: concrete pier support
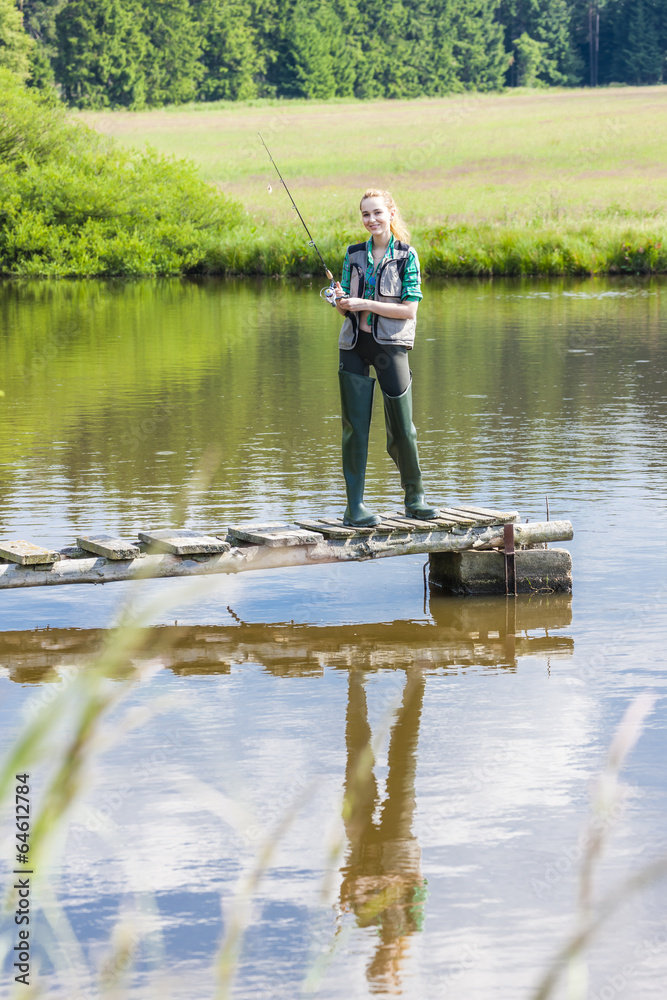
[[537, 571]]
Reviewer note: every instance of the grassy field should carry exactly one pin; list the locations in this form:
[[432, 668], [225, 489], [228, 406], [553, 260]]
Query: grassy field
[[539, 181]]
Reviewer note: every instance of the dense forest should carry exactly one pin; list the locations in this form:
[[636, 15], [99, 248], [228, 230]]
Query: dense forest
[[138, 53]]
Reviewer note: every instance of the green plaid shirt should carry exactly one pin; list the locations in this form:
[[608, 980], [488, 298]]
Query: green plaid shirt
[[411, 290]]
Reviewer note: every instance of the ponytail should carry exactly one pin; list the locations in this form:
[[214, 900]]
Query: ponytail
[[398, 226]]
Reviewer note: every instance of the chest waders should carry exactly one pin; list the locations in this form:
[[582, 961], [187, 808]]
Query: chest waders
[[356, 394]]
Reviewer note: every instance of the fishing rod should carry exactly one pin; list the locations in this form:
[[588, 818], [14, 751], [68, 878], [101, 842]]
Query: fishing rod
[[330, 292]]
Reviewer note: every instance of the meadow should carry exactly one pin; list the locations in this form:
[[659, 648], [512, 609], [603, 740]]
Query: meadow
[[549, 181]]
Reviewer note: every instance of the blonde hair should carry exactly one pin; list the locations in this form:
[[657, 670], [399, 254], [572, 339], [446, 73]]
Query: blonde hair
[[397, 226]]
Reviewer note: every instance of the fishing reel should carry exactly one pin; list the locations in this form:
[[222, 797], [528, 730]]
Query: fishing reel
[[330, 294]]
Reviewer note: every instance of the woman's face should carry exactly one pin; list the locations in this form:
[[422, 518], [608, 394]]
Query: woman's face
[[375, 216]]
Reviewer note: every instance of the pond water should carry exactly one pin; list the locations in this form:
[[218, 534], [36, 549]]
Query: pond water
[[453, 869]]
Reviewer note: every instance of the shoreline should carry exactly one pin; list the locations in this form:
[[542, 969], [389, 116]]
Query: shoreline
[[457, 252]]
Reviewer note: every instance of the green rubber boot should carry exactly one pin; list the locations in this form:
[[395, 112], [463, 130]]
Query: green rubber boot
[[356, 400], [402, 446]]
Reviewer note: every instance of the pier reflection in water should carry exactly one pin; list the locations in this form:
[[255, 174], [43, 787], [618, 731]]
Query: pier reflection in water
[[383, 887], [476, 632]]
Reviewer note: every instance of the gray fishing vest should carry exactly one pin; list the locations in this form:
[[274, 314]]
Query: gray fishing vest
[[388, 286]]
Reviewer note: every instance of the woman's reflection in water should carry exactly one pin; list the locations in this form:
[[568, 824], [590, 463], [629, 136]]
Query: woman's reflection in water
[[382, 881]]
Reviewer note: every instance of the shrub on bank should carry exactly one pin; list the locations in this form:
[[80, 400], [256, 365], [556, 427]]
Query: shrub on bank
[[72, 202], [606, 248], [460, 251]]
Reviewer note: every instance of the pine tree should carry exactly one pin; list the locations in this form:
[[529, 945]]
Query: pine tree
[[270, 19], [529, 60], [312, 50], [437, 67], [232, 60], [346, 49], [661, 17], [15, 43], [384, 27], [101, 52], [171, 62], [39, 18], [642, 56], [308, 58], [549, 23], [478, 47]]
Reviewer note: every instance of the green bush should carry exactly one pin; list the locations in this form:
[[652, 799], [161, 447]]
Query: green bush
[[74, 203]]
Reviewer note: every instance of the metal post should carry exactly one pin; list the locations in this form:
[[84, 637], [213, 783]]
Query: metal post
[[510, 561]]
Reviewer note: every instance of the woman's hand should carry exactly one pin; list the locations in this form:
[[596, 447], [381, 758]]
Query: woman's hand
[[352, 304], [341, 299]]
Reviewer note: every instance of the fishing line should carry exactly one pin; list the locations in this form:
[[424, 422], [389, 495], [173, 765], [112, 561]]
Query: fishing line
[[330, 292]]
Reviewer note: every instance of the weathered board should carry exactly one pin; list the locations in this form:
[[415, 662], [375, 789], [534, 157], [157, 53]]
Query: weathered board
[[460, 517], [337, 524], [27, 553], [274, 533], [497, 515], [417, 524], [183, 542], [108, 546], [328, 530]]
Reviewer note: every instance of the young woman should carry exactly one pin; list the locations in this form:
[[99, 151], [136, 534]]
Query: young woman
[[380, 291]]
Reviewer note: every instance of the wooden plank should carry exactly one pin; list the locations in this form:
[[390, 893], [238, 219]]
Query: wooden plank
[[182, 542], [449, 522], [383, 528], [396, 523], [274, 534], [260, 525], [417, 524], [404, 523], [316, 524], [27, 553], [334, 527], [108, 546], [337, 522], [457, 515], [468, 518], [500, 516]]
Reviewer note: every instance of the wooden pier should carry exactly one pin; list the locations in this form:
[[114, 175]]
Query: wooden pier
[[308, 541]]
